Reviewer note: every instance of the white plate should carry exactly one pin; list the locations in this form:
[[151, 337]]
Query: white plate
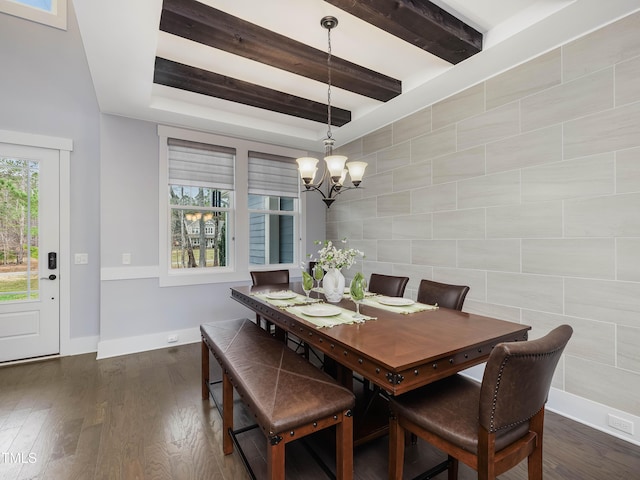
[[321, 310], [396, 301], [282, 295]]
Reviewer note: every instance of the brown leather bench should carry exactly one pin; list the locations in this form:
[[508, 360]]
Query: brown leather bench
[[288, 396]]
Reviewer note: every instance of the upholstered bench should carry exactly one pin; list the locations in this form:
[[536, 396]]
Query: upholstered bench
[[288, 396]]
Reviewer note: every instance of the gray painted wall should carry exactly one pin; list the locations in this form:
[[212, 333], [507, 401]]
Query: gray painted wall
[[132, 305], [46, 89]]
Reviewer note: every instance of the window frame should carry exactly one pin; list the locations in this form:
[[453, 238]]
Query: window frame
[[238, 245], [57, 18]]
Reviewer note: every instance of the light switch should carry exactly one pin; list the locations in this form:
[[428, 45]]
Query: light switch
[[126, 259], [81, 258]]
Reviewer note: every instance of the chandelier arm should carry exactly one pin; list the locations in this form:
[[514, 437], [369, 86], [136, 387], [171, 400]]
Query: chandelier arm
[[311, 187], [338, 191]]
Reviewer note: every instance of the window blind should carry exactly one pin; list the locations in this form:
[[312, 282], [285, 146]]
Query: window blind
[[200, 165], [273, 175]]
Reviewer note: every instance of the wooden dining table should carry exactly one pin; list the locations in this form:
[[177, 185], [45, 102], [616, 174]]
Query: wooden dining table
[[397, 352]]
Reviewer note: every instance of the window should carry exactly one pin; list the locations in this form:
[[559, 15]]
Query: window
[[48, 12], [227, 206], [273, 209], [200, 192]]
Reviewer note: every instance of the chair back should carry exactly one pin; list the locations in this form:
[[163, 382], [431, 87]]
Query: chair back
[[387, 285], [517, 379], [445, 295], [270, 277]]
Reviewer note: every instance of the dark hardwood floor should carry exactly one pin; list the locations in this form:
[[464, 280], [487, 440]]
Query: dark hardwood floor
[[141, 417]]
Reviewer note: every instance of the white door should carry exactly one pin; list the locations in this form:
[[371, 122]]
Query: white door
[[29, 246]]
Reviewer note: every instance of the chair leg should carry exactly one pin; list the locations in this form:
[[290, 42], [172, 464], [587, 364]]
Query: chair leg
[[396, 449], [486, 455], [534, 462]]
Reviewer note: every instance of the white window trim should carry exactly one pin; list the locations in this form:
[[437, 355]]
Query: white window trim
[[57, 18], [238, 248]]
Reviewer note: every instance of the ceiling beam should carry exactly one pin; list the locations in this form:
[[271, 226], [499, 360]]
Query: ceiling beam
[[420, 23], [200, 23], [197, 80]]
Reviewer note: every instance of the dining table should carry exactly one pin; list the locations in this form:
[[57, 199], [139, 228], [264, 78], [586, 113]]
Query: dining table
[[399, 346]]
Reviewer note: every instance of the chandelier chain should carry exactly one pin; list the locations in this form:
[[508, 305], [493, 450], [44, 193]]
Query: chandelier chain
[[329, 83]]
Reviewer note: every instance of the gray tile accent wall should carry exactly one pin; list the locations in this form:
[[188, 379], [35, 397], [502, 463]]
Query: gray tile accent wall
[[525, 187]]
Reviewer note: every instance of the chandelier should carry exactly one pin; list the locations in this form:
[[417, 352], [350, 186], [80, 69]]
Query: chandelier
[[335, 172]]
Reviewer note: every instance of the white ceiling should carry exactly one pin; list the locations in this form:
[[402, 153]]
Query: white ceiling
[[121, 40]]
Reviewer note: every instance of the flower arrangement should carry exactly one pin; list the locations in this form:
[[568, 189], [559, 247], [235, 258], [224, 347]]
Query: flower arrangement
[[331, 257]]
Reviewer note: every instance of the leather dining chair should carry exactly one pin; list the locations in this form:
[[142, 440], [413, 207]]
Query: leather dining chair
[[388, 285], [276, 277], [445, 295], [268, 277], [490, 426]]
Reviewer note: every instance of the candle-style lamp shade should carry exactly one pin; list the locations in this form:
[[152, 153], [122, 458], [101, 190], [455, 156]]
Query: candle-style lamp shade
[[356, 171], [335, 164], [308, 168]]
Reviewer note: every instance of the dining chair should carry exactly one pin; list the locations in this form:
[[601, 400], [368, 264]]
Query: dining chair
[[277, 277], [268, 277], [310, 267], [388, 285], [444, 294], [490, 426]]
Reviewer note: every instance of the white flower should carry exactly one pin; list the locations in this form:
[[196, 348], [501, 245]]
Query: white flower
[[332, 257]]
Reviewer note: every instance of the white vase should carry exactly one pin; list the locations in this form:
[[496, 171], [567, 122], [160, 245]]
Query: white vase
[[333, 285]]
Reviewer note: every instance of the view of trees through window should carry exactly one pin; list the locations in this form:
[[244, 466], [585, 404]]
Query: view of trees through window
[[199, 219], [18, 229]]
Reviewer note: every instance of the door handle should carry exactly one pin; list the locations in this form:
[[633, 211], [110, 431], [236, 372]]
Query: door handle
[[50, 277]]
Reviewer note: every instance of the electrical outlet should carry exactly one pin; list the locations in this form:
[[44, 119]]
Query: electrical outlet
[[172, 338], [621, 424]]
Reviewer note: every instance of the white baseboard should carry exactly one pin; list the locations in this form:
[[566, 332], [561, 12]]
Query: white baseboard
[[582, 410], [80, 345], [592, 414], [143, 343]]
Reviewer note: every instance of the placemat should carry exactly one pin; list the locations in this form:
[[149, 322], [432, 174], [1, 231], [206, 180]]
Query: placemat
[[344, 318], [405, 310], [298, 299]]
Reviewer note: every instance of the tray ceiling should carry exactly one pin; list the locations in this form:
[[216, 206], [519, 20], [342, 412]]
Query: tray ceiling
[[257, 69]]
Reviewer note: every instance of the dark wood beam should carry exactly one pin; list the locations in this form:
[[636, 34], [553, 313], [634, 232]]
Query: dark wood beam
[[420, 23], [186, 77], [203, 24]]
